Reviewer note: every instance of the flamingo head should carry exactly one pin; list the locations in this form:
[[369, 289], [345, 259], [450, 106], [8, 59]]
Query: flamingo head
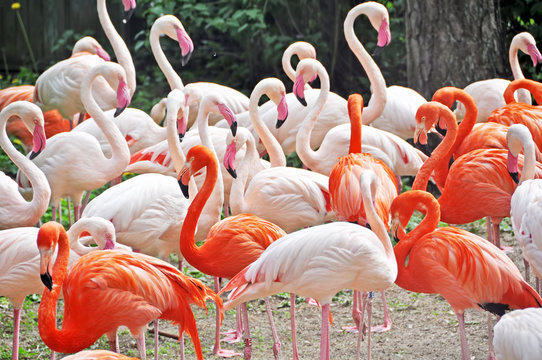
[[102, 53], [275, 90], [123, 97], [129, 8], [48, 236], [427, 115], [525, 42], [380, 20], [197, 158], [176, 107], [229, 158], [89, 44], [518, 136], [306, 71], [229, 116], [32, 117], [185, 43], [404, 205]]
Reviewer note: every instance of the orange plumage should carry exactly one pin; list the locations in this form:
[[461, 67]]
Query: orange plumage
[[344, 184], [54, 123], [106, 289]]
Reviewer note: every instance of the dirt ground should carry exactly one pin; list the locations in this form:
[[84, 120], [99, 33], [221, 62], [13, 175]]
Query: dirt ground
[[424, 327]]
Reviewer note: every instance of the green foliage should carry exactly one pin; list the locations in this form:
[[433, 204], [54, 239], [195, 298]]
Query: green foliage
[[6, 165]]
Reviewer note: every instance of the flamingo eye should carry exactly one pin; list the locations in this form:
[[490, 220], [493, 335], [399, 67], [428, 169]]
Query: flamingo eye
[[423, 118]]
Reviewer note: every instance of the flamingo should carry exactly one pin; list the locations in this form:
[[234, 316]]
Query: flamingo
[[289, 197], [487, 94], [53, 121], [174, 29], [60, 86], [396, 153], [528, 236], [468, 271], [19, 262], [333, 114], [97, 355], [70, 176], [231, 244], [470, 136], [123, 288], [343, 255], [15, 211], [520, 113], [345, 192], [518, 335], [480, 175]]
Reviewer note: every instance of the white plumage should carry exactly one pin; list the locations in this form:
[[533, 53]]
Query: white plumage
[[518, 335]]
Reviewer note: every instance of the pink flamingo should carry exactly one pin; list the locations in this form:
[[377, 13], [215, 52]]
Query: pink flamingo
[[343, 255], [15, 211], [517, 334]]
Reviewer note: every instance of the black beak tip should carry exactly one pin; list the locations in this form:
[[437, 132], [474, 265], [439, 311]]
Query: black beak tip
[[233, 128], [232, 172], [377, 51], [301, 100], [514, 176], [184, 189], [119, 111], [279, 123], [186, 58], [33, 154], [47, 280], [129, 14], [181, 137]]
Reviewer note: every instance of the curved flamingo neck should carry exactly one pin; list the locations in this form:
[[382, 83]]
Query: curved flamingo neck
[[271, 144], [533, 87], [191, 252], [309, 157], [448, 96], [377, 225], [120, 49], [355, 109], [34, 209], [120, 153], [378, 84], [439, 154], [407, 203], [174, 103], [287, 62], [529, 161], [523, 96], [237, 193], [68, 339], [173, 79]]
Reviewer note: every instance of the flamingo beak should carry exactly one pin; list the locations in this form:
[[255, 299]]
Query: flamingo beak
[[183, 180], [299, 89], [282, 110], [45, 273]]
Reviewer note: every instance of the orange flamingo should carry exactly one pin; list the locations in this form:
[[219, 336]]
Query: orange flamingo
[[468, 271], [345, 190], [470, 135], [231, 244], [122, 288], [481, 175], [520, 113]]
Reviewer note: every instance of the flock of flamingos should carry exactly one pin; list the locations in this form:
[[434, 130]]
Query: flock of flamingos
[[306, 232]]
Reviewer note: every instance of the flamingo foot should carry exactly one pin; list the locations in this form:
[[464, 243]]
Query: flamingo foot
[[313, 302], [248, 349], [507, 249], [232, 336], [276, 350], [381, 328], [225, 353], [349, 329]]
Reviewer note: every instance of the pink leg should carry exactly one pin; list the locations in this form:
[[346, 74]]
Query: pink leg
[[276, 341], [387, 320], [77, 212], [248, 340], [234, 335], [140, 341], [356, 312], [538, 285], [465, 353], [181, 344], [113, 341], [369, 314], [226, 210], [361, 331], [16, 325], [53, 213], [292, 322], [490, 337], [399, 184], [70, 220], [217, 350], [156, 340], [52, 356], [526, 264], [85, 200], [324, 339]]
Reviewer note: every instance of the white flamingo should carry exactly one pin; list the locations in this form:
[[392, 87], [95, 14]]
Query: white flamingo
[[15, 211], [402, 158], [59, 87], [70, 176], [321, 260], [19, 261], [488, 94], [518, 335], [289, 197], [173, 28]]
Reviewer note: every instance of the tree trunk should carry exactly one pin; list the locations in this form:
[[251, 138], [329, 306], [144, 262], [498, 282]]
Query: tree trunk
[[453, 43]]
